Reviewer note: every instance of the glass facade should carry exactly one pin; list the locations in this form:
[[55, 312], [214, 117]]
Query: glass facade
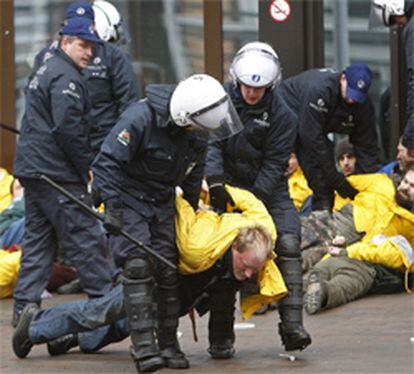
[[167, 37]]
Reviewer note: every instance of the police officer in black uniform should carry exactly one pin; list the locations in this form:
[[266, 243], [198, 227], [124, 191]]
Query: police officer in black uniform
[[109, 75], [326, 101], [256, 159], [54, 141], [154, 147]]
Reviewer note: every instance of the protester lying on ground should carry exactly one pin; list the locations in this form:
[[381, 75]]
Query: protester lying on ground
[[61, 274], [378, 209], [383, 266], [379, 263], [217, 253]]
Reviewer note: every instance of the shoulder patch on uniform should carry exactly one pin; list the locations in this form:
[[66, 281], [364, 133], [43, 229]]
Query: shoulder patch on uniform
[[320, 106], [124, 137], [34, 83], [71, 91]]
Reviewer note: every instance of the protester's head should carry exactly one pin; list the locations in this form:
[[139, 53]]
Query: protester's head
[[403, 156], [251, 249], [77, 40], [254, 69], [405, 190], [201, 103], [345, 157], [355, 82]]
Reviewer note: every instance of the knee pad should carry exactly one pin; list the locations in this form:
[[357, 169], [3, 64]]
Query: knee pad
[[138, 269], [288, 245], [166, 276]]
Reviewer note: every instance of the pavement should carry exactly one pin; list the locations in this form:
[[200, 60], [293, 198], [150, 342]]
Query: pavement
[[371, 335]]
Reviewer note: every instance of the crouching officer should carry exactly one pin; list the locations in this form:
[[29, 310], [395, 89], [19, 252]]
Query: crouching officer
[[54, 141], [326, 101], [256, 159], [155, 146]]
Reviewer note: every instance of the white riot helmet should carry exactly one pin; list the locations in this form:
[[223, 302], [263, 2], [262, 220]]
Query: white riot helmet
[[108, 22], [382, 10], [256, 65], [201, 101]]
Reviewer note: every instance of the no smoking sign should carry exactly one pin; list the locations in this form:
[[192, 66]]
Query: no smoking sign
[[279, 10]]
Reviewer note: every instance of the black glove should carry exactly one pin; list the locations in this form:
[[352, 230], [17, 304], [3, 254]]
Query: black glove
[[219, 197], [192, 201], [346, 190], [96, 198], [113, 217]]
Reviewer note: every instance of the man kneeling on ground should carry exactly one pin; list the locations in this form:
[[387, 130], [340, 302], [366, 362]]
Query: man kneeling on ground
[[217, 253]]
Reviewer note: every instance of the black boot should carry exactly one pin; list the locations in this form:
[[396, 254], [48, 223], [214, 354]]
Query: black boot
[[62, 344], [221, 323], [291, 329], [21, 342], [168, 309], [141, 311]]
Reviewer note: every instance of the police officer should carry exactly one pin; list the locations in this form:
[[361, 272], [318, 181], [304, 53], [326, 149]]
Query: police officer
[[256, 159], [388, 13], [109, 75], [326, 101], [154, 147], [54, 142]]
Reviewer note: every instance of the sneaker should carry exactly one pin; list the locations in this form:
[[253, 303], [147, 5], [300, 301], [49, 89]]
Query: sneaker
[[316, 294], [62, 344], [174, 358], [294, 338], [21, 342], [221, 350]]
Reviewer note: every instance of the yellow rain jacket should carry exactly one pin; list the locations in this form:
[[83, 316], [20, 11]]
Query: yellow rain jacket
[[366, 183], [375, 210], [5, 182], [9, 270], [298, 188], [394, 252], [389, 228], [203, 237]]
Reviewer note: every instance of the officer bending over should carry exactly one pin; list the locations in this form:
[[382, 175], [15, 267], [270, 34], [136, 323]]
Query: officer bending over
[[157, 144], [326, 101], [256, 159]]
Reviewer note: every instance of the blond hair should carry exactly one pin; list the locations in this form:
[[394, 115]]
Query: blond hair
[[255, 237]]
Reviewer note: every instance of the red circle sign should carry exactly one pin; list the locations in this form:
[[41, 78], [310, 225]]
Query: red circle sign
[[279, 10]]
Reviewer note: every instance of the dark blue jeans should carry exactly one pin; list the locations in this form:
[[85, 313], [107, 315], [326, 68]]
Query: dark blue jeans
[[105, 316]]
